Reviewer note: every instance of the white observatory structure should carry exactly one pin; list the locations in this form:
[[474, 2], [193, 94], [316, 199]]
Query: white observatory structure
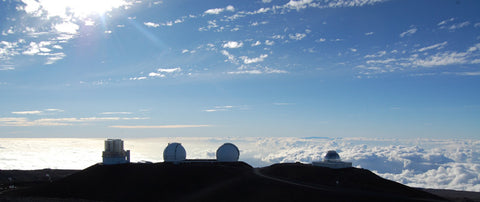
[[228, 152], [332, 160], [114, 152], [174, 152]]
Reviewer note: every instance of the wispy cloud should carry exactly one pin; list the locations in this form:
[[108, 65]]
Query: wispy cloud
[[435, 46], [408, 32], [113, 113], [25, 122], [216, 11], [158, 126], [28, 112], [248, 60]]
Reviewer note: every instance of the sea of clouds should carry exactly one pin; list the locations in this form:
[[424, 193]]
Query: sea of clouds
[[427, 163]]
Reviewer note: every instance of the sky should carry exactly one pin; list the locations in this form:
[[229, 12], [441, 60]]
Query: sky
[[258, 68]]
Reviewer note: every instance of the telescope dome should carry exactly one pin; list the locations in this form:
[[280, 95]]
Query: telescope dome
[[331, 155], [228, 152], [174, 152]]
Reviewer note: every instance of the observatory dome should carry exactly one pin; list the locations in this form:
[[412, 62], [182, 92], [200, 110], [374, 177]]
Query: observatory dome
[[228, 152], [174, 152], [331, 155]]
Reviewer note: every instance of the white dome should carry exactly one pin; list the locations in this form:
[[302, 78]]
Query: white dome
[[228, 152], [174, 152]]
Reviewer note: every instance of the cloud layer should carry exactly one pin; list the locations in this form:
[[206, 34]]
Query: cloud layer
[[430, 163]]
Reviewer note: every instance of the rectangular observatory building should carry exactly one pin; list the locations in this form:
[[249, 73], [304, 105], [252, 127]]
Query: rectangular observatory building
[[114, 152]]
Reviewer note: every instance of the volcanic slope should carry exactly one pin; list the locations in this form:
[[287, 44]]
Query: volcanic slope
[[217, 181]]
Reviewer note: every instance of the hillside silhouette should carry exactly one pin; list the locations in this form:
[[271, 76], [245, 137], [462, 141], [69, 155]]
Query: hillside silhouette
[[217, 181]]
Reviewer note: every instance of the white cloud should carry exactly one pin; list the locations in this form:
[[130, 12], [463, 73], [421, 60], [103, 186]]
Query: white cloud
[[379, 54], [220, 108], [445, 21], [230, 8], [185, 51], [247, 60], [297, 36], [151, 24], [476, 25], [171, 70], [28, 112], [435, 46], [408, 32], [353, 49], [369, 33], [321, 40], [138, 78], [67, 27], [114, 113], [216, 11], [233, 44], [269, 43], [231, 58], [459, 25], [155, 74], [266, 1], [441, 59], [257, 43], [254, 71]]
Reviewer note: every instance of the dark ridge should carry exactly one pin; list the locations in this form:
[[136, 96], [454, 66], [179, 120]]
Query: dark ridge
[[220, 181]]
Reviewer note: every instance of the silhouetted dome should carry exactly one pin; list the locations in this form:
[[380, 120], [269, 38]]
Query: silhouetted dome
[[228, 152], [174, 152], [331, 156]]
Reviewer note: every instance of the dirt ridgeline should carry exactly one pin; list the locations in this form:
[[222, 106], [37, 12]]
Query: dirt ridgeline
[[206, 181]]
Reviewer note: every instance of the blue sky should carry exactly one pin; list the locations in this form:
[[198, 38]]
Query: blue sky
[[368, 68]]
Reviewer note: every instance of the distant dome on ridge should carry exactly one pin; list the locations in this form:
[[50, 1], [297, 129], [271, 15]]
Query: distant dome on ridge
[[331, 155], [228, 152], [174, 152]]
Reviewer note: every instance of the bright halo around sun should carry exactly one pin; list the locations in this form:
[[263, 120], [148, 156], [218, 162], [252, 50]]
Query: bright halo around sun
[[80, 8]]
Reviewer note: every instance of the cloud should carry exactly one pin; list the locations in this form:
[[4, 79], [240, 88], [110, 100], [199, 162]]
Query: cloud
[[171, 70], [435, 46], [220, 108], [445, 21], [24, 122], [408, 32], [155, 74], [114, 113], [297, 36], [441, 59], [379, 54], [232, 44], [258, 70], [159, 126], [151, 24], [216, 11], [269, 43], [67, 27], [257, 43], [28, 112], [247, 60], [368, 33], [459, 25]]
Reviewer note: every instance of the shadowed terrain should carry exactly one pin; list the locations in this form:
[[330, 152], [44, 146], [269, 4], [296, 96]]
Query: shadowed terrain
[[216, 181]]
